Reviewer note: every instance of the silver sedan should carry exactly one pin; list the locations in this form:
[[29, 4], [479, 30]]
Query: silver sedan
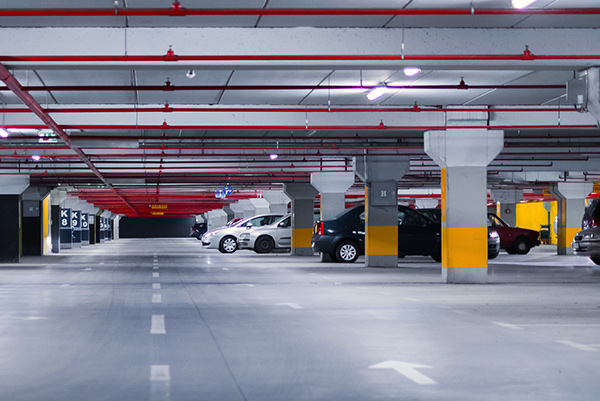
[[587, 243], [277, 235]]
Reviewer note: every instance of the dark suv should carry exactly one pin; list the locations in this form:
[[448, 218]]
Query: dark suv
[[343, 238]]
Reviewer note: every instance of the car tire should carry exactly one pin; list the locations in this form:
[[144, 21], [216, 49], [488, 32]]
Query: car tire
[[595, 259], [493, 254], [521, 246], [264, 244], [228, 244], [346, 252]]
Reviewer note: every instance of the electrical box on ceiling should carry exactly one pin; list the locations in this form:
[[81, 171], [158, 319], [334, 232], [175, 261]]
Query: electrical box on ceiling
[[577, 91]]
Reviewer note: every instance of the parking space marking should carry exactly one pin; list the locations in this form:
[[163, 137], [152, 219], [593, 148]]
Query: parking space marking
[[155, 275], [158, 325], [582, 347], [292, 305], [508, 326], [87, 269], [156, 298], [156, 286], [226, 268], [155, 268], [160, 373], [65, 285]]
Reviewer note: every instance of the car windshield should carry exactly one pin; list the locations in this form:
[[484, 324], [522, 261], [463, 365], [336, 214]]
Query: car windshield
[[494, 221]]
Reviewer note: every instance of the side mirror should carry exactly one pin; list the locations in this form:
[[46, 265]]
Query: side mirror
[[249, 226]]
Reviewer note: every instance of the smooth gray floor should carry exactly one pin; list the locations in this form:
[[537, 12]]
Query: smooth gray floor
[[88, 325]]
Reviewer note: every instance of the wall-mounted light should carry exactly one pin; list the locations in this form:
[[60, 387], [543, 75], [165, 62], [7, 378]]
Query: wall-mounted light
[[521, 3], [411, 71], [377, 92], [190, 74], [36, 157], [3, 133]]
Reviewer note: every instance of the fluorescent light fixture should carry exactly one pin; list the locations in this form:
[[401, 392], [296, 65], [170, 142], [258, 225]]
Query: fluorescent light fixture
[[273, 156], [411, 71], [36, 157], [521, 3], [377, 92], [190, 74], [3, 133]]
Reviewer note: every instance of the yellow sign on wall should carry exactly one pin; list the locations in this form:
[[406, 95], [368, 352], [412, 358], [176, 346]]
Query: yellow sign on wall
[[596, 189], [158, 206]]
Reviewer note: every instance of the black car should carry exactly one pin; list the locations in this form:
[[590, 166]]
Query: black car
[[198, 229], [343, 238], [591, 216]]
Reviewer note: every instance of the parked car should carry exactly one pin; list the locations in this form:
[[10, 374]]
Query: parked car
[[591, 216], [225, 238], [197, 230], [587, 243], [277, 235], [514, 239], [343, 238], [493, 237]]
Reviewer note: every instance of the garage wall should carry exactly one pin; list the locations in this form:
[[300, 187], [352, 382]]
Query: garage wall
[[155, 227], [533, 215]]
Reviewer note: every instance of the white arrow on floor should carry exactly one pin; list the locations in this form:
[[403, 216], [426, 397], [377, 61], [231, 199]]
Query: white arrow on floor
[[407, 369]]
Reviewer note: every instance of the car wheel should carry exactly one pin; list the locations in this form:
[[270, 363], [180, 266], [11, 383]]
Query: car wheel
[[595, 259], [521, 246], [346, 252], [264, 244], [228, 244]]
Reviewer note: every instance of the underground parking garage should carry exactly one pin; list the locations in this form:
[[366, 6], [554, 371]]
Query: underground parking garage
[[125, 125]]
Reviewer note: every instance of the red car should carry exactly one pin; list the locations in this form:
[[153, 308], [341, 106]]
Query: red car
[[514, 239]]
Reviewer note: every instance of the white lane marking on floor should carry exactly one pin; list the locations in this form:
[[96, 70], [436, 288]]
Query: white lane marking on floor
[[159, 373], [156, 298], [101, 263], [155, 275], [573, 344], [156, 286], [292, 305], [158, 325], [65, 285], [155, 267], [409, 370], [87, 269], [508, 326], [460, 312], [225, 268], [412, 299]]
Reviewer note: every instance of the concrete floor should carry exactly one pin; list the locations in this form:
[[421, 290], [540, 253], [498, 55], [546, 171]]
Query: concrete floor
[[167, 320]]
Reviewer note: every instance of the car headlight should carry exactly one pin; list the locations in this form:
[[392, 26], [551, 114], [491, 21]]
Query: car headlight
[[208, 235], [493, 234], [590, 236]]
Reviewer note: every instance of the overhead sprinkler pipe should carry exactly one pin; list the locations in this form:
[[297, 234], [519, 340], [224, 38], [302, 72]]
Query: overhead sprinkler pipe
[[178, 11]]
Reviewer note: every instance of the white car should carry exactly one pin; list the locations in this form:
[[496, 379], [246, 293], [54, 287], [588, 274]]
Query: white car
[[225, 238], [277, 235]]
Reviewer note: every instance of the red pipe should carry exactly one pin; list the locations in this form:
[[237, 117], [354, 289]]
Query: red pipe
[[177, 11], [169, 88]]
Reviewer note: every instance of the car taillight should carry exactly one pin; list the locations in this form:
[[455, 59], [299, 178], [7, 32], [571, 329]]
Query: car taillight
[[591, 223], [320, 228]]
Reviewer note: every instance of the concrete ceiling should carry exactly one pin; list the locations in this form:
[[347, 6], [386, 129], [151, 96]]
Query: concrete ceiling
[[272, 77]]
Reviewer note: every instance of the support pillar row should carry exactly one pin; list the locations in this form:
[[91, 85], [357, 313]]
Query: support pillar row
[[463, 155]]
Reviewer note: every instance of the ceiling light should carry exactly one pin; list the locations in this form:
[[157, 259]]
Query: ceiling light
[[410, 71], [273, 156], [36, 157], [377, 92], [190, 74], [3, 133], [521, 3]]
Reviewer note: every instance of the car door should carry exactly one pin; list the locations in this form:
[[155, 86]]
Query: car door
[[283, 236], [416, 234]]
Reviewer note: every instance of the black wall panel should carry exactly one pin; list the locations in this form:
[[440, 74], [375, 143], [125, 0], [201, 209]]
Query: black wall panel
[[155, 227]]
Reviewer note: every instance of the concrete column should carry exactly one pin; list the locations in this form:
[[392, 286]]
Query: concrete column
[[570, 198], [75, 205], [228, 211], [216, 218], [238, 210], [303, 197], [381, 175], [106, 226], [248, 208], [11, 188], [57, 197], [593, 91], [508, 200], [261, 206], [278, 201], [36, 221], [116, 221], [332, 187], [463, 155]]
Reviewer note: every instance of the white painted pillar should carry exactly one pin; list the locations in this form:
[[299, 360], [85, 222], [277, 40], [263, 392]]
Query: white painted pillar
[[463, 155], [332, 187], [216, 218], [570, 198], [508, 200], [238, 210], [278, 201], [261, 206]]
